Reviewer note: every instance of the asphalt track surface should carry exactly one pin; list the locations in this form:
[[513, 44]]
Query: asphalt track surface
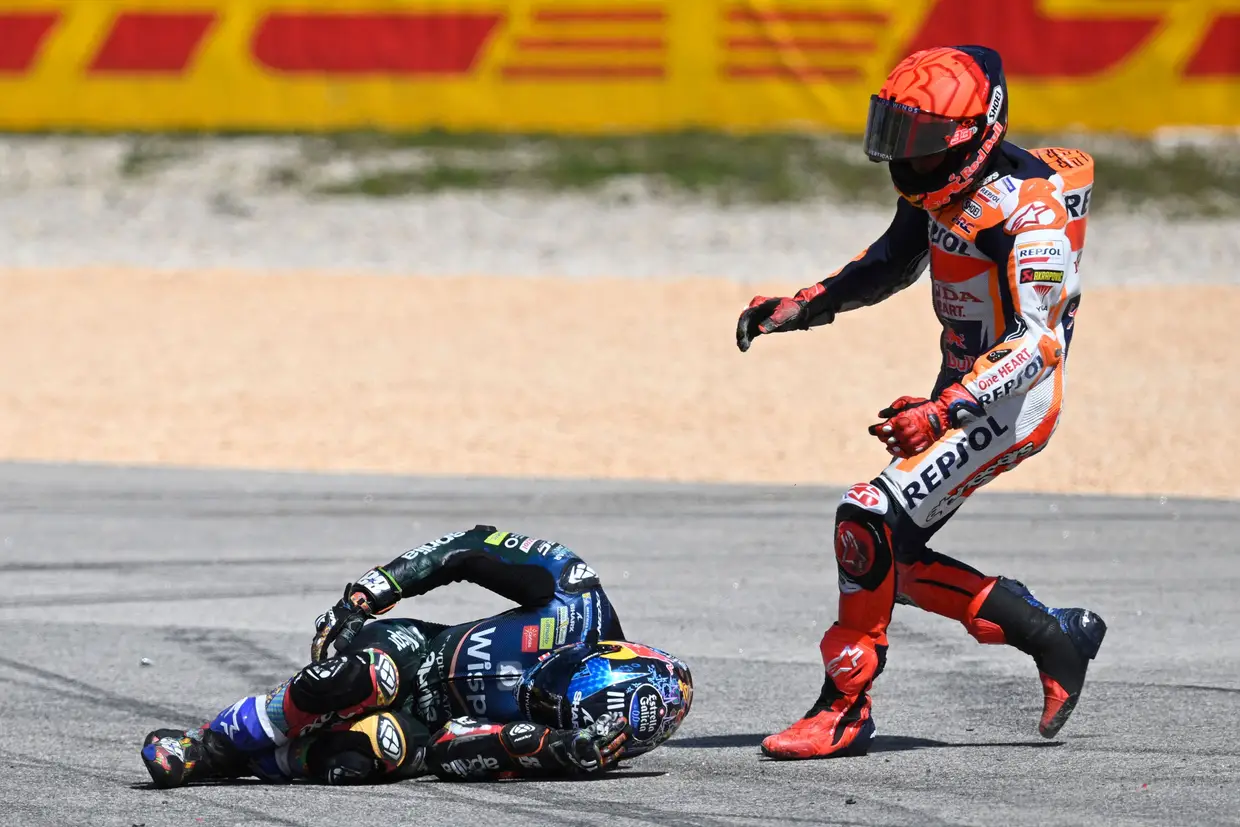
[[216, 577]]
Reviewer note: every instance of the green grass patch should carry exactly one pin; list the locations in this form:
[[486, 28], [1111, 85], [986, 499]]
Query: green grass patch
[[1184, 179], [148, 154], [432, 178], [1184, 182], [782, 168], [764, 169]]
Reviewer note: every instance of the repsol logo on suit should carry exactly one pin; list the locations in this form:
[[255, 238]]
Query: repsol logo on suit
[[1015, 383], [943, 467], [941, 237], [1078, 203]]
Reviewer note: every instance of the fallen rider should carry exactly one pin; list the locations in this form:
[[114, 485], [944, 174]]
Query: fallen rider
[[549, 688]]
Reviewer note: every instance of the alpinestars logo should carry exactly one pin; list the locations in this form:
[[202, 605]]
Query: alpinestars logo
[[1036, 214], [845, 661], [231, 727]]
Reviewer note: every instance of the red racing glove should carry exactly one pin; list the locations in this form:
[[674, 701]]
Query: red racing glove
[[767, 315], [912, 424]]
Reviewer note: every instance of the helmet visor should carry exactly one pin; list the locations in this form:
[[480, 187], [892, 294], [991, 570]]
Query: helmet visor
[[543, 691], [896, 132]]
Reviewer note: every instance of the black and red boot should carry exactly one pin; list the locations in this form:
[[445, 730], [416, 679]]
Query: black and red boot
[[1061, 642]]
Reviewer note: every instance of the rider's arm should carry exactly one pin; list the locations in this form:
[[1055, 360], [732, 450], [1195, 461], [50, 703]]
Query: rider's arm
[[887, 266], [526, 570], [1033, 267], [467, 749]]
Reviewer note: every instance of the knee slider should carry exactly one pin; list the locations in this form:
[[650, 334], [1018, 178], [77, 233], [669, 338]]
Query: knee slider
[[862, 538], [347, 684], [378, 745], [396, 741]]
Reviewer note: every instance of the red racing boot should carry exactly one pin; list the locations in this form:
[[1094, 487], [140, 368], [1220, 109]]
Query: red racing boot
[[839, 722]]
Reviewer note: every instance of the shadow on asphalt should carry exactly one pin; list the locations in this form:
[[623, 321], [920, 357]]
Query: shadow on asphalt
[[882, 743]]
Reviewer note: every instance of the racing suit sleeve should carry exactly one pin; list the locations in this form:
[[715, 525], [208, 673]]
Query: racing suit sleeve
[[1034, 268], [890, 264], [469, 749], [526, 570]]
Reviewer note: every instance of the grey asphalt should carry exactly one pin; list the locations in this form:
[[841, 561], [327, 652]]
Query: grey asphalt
[[216, 577]]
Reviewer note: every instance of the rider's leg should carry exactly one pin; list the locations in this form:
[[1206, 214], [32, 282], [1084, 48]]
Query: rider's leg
[[367, 676], [854, 647], [999, 610], [319, 695], [994, 610], [883, 526], [381, 746]]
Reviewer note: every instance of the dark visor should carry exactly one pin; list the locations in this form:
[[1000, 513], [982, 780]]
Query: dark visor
[[543, 691], [895, 132]]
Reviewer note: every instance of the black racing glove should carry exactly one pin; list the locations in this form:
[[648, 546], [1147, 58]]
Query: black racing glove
[[767, 315], [374, 593], [596, 748]]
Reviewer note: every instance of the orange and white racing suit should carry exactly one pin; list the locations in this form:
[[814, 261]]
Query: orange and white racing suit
[[1004, 267]]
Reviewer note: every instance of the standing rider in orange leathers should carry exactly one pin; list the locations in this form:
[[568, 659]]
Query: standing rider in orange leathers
[[1002, 229]]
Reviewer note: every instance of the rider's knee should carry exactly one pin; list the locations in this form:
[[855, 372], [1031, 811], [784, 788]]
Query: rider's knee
[[347, 684], [863, 547], [381, 746]]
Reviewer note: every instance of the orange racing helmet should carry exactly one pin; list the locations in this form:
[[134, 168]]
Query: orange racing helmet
[[938, 121]]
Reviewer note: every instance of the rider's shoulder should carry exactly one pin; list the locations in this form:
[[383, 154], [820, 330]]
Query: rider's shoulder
[[1040, 193], [1074, 166], [538, 549], [1033, 192]]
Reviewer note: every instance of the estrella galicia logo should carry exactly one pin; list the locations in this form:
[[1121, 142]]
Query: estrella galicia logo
[[646, 712]]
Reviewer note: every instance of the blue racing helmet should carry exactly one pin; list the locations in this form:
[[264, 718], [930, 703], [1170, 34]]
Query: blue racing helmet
[[572, 686]]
